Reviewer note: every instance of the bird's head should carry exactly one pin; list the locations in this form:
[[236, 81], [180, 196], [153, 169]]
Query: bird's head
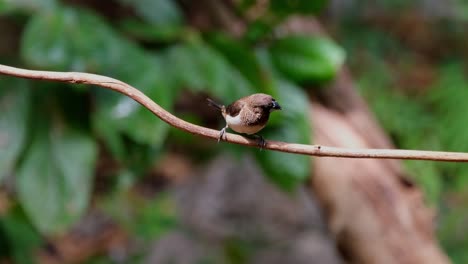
[[264, 101]]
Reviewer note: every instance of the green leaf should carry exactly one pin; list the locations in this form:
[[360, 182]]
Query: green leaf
[[241, 57], [7, 6], [74, 39], [148, 32], [285, 169], [121, 114], [107, 127], [54, 180], [288, 7], [198, 67], [70, 39], [157, 12], [161, 20], [306, 59], [15, 111]]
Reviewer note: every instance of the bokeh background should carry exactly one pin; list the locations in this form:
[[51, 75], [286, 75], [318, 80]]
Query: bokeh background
[[89, 176]]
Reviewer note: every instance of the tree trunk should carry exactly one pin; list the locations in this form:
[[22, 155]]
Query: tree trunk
[[375, 212]]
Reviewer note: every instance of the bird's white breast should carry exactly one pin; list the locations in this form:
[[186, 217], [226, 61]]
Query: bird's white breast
[[236, 124]]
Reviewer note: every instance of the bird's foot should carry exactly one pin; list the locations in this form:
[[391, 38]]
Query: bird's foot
[[222, 134], [260, 141]]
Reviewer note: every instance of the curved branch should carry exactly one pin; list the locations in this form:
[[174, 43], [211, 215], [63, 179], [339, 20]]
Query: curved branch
[[312, 150]]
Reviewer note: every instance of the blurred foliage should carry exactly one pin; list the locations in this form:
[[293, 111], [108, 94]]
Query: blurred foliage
[[428, 116], [307, 59], [14, 106], [461, 10], [18, 239], [53, 135], [300, 7]]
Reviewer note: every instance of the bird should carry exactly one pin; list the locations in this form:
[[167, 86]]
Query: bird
[[248, 115]]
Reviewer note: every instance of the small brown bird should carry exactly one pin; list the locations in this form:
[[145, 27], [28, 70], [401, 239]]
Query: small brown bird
[[247, 115]]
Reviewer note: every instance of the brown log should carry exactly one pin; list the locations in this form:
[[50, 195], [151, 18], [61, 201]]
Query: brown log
[[375, 212]]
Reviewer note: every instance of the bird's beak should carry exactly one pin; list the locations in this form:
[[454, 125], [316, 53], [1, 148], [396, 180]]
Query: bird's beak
[[276, 106]]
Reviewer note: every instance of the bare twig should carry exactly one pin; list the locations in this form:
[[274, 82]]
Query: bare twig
[[312, 150]]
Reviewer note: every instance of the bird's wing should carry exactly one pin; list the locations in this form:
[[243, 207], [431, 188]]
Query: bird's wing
[[234, 108], [252, 116]]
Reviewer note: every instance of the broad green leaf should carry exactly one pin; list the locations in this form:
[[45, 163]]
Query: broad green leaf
[[289, 7], [198, 67], [121, 113], [7, 6], [306, 59], [14, 116], [74, 39], [240, 56], [157, 12], [69, 39], [285, 169], [152, 33], [105, 127], [161, 20], [54, 179]]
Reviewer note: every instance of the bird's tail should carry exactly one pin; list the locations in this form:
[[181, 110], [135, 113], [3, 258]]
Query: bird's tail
[[214, 104]]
